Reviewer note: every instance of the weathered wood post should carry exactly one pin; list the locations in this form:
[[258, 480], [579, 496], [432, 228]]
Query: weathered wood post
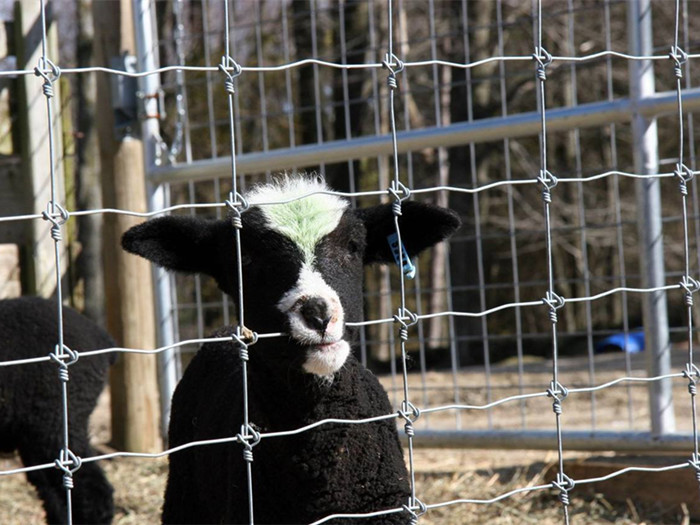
[[11, 233], [128, 287], [32, 122]]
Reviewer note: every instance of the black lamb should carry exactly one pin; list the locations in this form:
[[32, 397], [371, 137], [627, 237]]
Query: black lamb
[[31, 415], [302, 275]]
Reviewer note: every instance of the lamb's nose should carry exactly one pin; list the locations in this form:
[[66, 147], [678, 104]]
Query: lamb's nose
[[315, 313]]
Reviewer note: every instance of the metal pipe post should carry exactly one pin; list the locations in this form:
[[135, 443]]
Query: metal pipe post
[[651, 250], [149, 86]]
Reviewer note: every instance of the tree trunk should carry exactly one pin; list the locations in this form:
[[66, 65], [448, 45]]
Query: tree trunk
[[438, 298], [344, 176], [88, 174], [463, 253], [301, 10]]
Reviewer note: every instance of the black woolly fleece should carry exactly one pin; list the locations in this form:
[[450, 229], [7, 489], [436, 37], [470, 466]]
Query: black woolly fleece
[[308, 475], [31, 416]]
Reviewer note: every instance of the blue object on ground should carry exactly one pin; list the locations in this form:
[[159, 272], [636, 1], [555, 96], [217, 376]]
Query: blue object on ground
[[632, 343]]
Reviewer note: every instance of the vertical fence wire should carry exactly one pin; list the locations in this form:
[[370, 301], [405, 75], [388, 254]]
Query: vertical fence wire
[[318, 107], [583, 236], [478, 240], [237, 204], [554, 302], [442, 180], [401, 21], [691, 136], [346, 94], [288, 103], [404, 317], [384, 296], [508, 173], [57, 216], [690, 285], [619, 238]]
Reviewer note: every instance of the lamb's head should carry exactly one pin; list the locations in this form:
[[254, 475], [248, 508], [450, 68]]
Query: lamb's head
[[302, 255]]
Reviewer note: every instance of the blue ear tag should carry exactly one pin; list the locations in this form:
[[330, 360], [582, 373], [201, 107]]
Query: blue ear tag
[[408, 268]]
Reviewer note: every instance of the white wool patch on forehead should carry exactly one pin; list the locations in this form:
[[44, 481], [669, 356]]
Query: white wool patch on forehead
[[303, 218]]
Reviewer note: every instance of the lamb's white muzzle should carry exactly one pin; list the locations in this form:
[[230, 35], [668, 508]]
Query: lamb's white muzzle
[[327, 351]]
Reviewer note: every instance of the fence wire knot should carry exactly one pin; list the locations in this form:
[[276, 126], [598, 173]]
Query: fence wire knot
[[64, 359], [412, 504], [694, 462], [564, 484], [543, 59], [410, 413], [64, 462], [229, 63], [400, 318], [692, 373], [555, 302], [679, 58], [57, 215], [400, 193], [389, 62], [558, 392], [237, 204], [690, 286], [249, 437], [55, 73], [685, 175], [549, 182], [243, 339]]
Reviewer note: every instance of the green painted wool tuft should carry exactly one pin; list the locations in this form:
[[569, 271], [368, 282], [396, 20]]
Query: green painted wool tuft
[[305, 216]]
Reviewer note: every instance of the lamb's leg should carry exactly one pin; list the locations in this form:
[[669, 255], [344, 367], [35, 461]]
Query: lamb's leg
[[91, 496], [92, 500], [48, 482], [180, 505]]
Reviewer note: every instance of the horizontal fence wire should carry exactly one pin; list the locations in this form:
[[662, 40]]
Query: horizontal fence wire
[[66, 214], [419, 317], [552, 302], [323, 63]]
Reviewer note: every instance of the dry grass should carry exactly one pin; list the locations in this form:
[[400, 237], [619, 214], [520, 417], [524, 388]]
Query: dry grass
[[484, 474], [441, 475]]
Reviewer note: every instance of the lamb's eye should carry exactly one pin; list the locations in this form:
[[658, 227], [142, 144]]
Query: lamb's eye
[[353, 247]]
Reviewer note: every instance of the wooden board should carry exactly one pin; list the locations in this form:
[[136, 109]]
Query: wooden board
[[9, 271], [669, 488]]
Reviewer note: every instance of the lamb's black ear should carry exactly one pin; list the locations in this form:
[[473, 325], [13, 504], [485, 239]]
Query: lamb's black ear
[[422, 225], [185, 244]]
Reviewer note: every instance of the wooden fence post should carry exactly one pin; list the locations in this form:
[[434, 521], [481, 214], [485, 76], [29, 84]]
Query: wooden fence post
[[40, 279], [128, 287]]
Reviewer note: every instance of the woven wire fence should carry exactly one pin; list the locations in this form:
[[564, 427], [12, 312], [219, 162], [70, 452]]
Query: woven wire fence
[[389, 70]]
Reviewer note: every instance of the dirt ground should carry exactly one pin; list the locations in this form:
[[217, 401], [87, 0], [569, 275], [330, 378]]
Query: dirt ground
[[441, 476], [447, 475]]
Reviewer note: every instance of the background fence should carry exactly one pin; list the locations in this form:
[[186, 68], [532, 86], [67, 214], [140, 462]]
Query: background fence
[[470, 117], [562, 132]]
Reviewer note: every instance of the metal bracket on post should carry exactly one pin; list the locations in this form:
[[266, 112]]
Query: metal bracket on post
[[144, 105], [124, 99]]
